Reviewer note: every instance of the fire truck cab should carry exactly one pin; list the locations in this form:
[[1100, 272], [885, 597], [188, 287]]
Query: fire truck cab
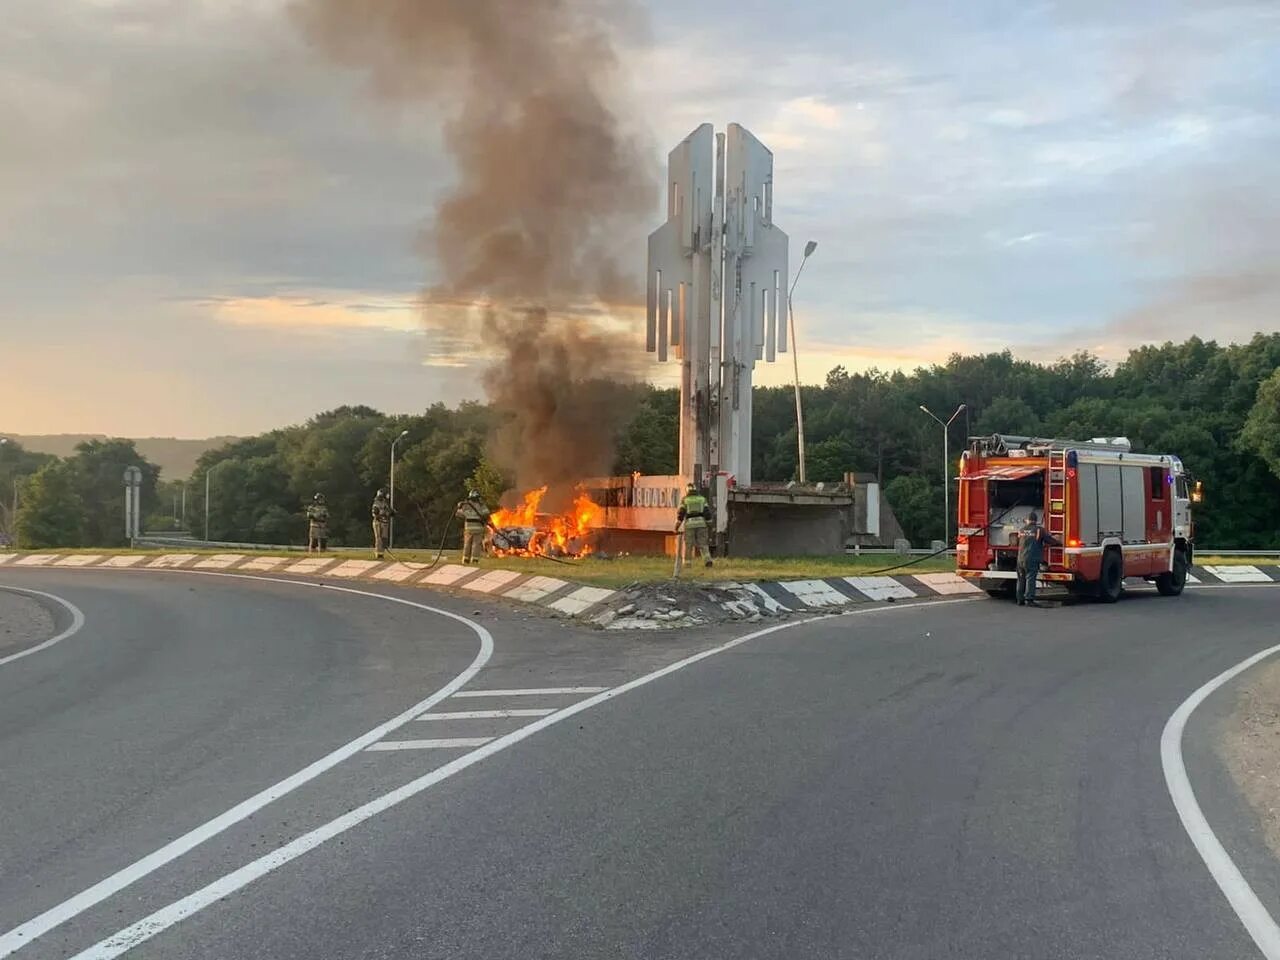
[[1116, 514]]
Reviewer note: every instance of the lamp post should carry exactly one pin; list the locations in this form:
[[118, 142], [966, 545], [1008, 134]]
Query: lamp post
[[207, 474], [391, 525], [946, 469], [809, 247], [13, 515]]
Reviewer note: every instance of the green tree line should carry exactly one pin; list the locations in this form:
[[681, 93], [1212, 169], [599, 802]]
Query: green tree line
[[1217, 407]]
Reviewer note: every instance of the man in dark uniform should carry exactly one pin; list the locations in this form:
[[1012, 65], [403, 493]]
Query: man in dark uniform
[[1032, 539]]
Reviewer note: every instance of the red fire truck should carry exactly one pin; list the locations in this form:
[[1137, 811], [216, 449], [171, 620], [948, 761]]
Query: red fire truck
[[1116, 513]]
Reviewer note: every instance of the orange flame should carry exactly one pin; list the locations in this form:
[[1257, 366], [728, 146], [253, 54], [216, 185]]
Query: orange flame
[[565, 534]]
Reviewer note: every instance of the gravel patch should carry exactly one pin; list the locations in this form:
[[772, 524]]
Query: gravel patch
[[23, 621], [1251, 747]]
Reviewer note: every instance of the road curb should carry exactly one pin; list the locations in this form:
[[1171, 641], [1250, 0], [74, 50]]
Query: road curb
[[599, 605]]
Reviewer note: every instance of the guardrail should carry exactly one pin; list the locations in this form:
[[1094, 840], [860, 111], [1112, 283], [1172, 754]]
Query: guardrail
[[147, 540]]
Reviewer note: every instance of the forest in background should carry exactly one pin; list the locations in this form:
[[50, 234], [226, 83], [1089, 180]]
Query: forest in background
[[1215, 406]]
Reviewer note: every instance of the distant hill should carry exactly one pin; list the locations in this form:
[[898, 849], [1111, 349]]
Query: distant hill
[[176, 458]]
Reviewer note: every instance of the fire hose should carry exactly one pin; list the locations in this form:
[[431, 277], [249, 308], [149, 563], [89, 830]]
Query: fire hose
[[938, 553]]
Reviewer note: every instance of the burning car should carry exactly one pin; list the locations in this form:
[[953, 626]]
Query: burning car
[[526, 531]]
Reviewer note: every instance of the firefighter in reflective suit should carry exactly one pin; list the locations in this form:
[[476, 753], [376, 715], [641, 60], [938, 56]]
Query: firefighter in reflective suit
[[694, 513], [475, 521]]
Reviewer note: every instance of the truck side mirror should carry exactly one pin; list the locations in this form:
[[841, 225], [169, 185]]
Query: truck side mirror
[[1197, 492]]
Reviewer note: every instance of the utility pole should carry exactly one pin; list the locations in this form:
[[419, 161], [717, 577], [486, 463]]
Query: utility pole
[[391, 525], [946, 469]]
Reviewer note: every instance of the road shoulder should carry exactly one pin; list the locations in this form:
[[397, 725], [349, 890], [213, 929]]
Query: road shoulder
[[1250, 747], [24, 621]]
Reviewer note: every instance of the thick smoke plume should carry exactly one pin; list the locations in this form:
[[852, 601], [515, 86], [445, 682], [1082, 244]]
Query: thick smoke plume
[[526, 241]]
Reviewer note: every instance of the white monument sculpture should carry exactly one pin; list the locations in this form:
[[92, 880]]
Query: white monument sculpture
[[717, 294]]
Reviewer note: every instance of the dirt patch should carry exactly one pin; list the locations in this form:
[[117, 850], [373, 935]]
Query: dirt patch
[[23, 621], [1251, 747]]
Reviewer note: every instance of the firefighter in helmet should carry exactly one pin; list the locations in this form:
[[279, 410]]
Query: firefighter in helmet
[[475, 522], [317, 525], [694, 514], [381, 514]]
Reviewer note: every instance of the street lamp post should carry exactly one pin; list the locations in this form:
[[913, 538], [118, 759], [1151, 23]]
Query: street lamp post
[[809, 247], [207, 474], [391, 525], [13, 514], [946, 469]]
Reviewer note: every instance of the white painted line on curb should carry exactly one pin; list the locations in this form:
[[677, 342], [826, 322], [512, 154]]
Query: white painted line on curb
[[25, 933], [77, 621], [487, 714], [137, 933], [1260, 924], [36, 560], [80, 560], [529, 692], [447, 744]]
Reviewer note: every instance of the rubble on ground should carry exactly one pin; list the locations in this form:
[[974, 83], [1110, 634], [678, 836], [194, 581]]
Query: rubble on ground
[[663, 606]]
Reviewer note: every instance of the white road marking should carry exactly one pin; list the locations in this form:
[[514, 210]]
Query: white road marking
[[171, 560], [881, 588], [487, 714], [80, 560], [491, 581], [1238, 573], [581, 599], [535, 588], [36, 560], [449, 574], [124, 560], [529, 692], [815, 593], [164, 918], [946, 583], [264, 563], [354, 568], [25, 933], [220, 561], [447, 744], [77, 621], [1260, 924]]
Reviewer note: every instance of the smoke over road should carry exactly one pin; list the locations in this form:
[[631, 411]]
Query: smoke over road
[[548, 178]]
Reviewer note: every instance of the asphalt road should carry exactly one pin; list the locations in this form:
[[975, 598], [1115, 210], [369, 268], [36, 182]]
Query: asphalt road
[[958, 780]]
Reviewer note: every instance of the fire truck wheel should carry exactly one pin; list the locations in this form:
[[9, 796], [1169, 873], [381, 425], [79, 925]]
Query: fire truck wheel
[[1111, 578], [1170, 584]]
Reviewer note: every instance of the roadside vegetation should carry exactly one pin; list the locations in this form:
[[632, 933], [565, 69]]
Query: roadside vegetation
[[1218, 407]]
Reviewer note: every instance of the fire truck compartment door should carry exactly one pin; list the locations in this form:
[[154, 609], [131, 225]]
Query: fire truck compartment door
[[1088, 494], [1004, 473], [1134, 489]]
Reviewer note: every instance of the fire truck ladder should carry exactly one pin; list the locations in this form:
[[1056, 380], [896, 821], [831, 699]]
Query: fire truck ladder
[[1056, 519]]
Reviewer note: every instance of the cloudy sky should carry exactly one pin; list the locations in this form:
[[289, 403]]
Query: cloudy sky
[[205, 228]]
